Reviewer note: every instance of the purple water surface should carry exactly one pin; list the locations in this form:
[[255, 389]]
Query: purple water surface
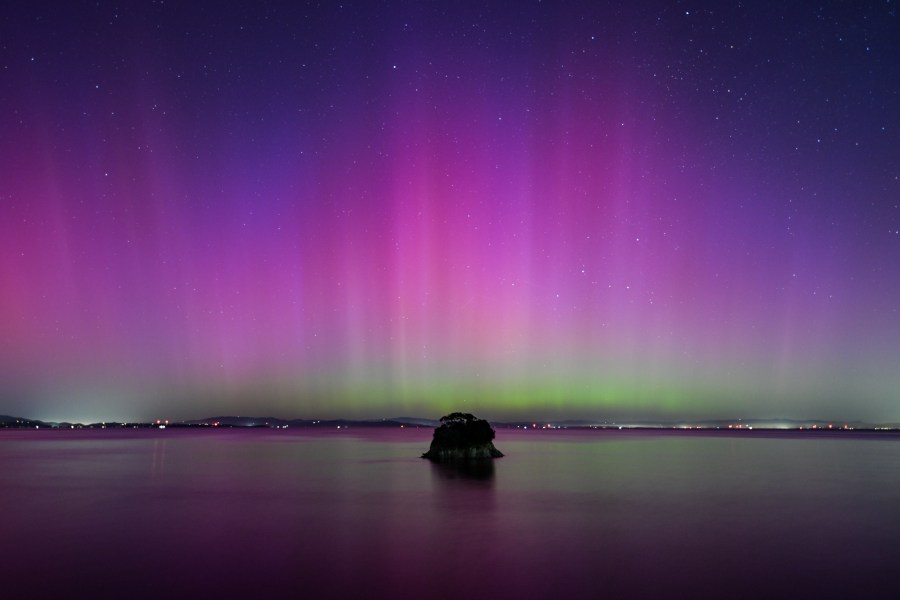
[[313, 514]]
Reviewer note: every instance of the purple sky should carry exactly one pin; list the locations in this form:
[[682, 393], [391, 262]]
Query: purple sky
[[558, 209]]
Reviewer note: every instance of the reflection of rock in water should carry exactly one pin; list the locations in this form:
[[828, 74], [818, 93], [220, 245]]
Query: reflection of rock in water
[[464, 495], [474, 471]]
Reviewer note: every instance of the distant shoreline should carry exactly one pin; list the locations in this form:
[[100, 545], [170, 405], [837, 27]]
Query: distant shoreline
[[703, 424], [502, 429]]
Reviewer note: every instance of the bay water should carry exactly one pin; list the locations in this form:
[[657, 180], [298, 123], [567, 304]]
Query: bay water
[[346, 513]]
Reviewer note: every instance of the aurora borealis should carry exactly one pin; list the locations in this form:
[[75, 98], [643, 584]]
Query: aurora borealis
[[368, 209]]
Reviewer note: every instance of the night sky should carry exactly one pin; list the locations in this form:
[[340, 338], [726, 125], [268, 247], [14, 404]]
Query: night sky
[[371, 209]]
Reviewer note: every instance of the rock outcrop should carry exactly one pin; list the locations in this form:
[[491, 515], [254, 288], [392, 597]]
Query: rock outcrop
[[462, 437]]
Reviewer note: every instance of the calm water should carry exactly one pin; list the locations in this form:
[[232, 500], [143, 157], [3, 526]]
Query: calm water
[[292, 513]]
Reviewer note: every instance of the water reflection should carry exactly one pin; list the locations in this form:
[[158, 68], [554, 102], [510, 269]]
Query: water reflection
[[158, 458], [477, 472]]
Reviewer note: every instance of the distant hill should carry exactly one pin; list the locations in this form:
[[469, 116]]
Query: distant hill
[[8, 421], [239, 421], [416, 421]]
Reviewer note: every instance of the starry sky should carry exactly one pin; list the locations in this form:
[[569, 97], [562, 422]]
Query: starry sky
[[369, 209]]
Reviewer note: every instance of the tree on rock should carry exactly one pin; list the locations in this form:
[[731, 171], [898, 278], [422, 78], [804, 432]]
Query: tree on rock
[[462, 436]]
